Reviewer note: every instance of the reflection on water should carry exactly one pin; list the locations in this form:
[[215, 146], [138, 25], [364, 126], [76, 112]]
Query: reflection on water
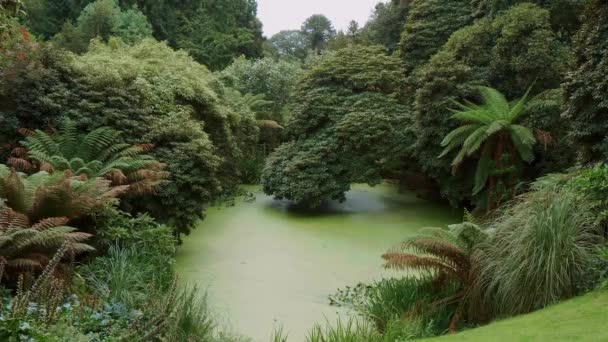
[[267, 261]]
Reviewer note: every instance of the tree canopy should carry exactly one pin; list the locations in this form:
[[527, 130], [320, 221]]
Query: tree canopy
[[347, 126], [318, 30]]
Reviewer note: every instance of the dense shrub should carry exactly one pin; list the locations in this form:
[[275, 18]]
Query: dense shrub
[[446, 257], [347, 126], [179, 107], [43, 195], [565, 14], [275, 80], [103, 19]]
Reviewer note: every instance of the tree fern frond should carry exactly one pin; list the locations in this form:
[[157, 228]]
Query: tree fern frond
[[483, 169], [50, 222], [458, 135], [405, 261], [495, 101], [474, 140]]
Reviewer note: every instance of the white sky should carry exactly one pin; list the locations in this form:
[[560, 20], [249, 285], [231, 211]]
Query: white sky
[[278, 15]]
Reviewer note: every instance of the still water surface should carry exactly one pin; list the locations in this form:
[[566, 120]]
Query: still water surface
[[264, 264]]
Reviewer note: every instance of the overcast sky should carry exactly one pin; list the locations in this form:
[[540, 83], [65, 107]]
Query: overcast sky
[[278, 15]]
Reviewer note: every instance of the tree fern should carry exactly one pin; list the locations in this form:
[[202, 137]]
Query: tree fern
[[28, 247], [96, 154], [43, 195], [491, 130], [444, 254]]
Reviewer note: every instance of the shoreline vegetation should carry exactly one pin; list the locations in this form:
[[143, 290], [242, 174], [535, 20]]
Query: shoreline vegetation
[[124, 123]]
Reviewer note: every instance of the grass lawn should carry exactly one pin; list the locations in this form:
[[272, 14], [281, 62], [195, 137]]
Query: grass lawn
[[580, 319]]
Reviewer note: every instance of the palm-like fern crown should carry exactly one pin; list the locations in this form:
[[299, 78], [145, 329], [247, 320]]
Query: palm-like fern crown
[[446, 255], [496, 115], [26, 247], [442, 252], [96, 154], [43, 195]]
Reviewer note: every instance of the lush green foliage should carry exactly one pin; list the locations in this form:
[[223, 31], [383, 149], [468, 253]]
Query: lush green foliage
[[46, 18], [428, 26], [386, 23], [275, 80], [585, 88], [290, 45], [44, 195], [103, 19], [347, 126], [492, 128], [565, 14], [318, 30], [97, 154], [511, 52], [212, 32], [446, 256], [399, 299], [179, 107], [26, 247], [592, 182]]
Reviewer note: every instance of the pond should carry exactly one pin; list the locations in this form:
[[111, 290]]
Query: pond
[[265, 264]]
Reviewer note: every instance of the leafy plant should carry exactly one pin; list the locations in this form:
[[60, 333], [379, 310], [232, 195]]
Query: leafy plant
[[43, 195], [446, 256], [28, 247], [96, 154], [492, 128], [395, 299], [125, 275], [496, 51]]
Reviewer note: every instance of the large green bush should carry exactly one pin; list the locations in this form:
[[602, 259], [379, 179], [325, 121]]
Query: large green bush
[[275, 80], [198, 131], [347, 126]]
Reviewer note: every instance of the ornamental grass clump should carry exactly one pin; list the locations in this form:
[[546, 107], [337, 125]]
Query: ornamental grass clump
[[542, 246]]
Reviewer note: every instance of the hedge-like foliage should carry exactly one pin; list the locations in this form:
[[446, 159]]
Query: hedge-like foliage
[[347, 126]]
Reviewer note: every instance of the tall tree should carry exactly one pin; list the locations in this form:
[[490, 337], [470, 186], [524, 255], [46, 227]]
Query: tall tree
[[290, 44], [428, 26], [103, 19], [318, 29], [386, 23], [586, 86], [213, 32], [46, 18]]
